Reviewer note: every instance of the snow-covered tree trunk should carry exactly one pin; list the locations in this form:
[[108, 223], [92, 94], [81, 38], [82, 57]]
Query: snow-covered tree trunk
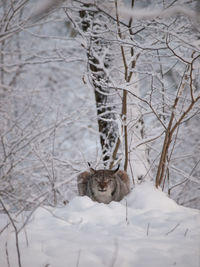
[[94, 24]]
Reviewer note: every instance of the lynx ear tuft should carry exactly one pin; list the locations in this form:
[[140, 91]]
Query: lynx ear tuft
[[114, 171]]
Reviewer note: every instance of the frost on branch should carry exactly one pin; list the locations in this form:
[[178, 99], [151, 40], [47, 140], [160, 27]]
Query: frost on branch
[[94, 24]]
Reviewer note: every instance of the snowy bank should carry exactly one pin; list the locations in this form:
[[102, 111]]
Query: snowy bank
[[145, 229]]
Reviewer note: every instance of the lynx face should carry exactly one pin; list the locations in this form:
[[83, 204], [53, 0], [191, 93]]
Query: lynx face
[[103, 184]]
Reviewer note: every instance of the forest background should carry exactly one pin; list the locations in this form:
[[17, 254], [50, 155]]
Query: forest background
[[105, 82]]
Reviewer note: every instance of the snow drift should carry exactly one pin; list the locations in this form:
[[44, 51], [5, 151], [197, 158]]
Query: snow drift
[[145, 229]]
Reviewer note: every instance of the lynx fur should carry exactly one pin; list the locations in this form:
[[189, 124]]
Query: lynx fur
[[103, 185]]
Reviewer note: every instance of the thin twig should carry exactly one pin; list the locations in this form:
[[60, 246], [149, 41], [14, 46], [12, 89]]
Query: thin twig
[[78, 258], [176, 226], [7, 254], [186, 231], [16, 233], [148, 226], [127, 221]]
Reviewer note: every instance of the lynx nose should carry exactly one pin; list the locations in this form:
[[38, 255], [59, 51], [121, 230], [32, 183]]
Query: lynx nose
[[102, 186]]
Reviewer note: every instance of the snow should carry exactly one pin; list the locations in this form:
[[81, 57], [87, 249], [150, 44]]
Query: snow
[[145, 229]]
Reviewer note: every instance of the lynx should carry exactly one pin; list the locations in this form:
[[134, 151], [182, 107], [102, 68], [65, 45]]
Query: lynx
[[103, 185]]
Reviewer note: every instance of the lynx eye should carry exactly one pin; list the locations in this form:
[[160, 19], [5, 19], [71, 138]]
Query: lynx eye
[[109, 180]]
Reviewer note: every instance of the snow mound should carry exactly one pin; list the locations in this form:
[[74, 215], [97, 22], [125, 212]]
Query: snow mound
[[146, 196], [144, 229]]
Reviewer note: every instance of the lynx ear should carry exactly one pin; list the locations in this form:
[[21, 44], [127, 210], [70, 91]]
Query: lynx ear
[[114, 171], [92, 171]]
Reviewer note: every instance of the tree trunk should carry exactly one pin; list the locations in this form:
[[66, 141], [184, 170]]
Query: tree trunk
[[98, 50]]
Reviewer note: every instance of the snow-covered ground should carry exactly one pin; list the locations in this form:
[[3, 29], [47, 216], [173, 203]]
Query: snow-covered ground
[[145, 229]]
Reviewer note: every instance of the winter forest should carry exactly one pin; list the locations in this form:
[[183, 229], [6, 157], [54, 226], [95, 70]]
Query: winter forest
[[103, 83]]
